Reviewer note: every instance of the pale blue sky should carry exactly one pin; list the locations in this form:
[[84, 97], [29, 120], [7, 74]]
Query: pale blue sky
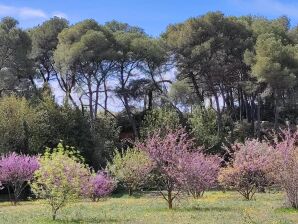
[[152, 15]]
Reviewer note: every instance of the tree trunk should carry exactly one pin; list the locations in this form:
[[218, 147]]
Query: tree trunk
[[275, 110], [130, 117], [219, 116], [170, 199], [91, 114], [258, 128], [54, 213], [150, 98], [106, 96], [129, 191]]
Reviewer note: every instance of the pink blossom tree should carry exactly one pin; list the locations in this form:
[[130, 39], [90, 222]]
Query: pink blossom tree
[[250, 169], [15, 172], [286, 165], [200, 173], [168, 156], [99, 185]]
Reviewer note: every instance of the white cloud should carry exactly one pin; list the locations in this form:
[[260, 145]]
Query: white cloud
[[60, 15], [26, 13], [268, 7]]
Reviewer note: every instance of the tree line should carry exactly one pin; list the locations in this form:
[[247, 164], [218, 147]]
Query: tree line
[[222, 78]]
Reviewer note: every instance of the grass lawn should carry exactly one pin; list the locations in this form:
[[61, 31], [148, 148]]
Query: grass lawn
[[214, 207]]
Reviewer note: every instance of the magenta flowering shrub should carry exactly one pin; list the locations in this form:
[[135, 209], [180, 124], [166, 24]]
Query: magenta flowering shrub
[[200, 173], [178, 165], [286, 165], [250, 169], [167, 154], [15, 172], [99, 185]]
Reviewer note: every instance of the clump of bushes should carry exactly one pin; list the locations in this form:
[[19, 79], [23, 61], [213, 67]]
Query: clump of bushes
[[176, 162], [62, 177], [250, 168]]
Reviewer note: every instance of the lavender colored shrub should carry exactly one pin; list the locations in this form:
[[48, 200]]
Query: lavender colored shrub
[[286, 166], [200, 173], [98, 186], [250, 169], [15, 172]]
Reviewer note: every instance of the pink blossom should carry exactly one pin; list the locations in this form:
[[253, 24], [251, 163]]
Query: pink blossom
[[98, 186], [286, 165], [200, 173], [250, 169], [16, 170]]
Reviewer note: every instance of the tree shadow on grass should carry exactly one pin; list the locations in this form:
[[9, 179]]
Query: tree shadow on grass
[[124, 194], [287, 210], [90, 220], [208, 209]]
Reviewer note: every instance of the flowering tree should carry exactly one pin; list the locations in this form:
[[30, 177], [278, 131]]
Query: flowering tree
[[286, 165], [15, 172], [131, 168], [59, 178], [200, 173], [99, 185], [167, 154], [250, 169]]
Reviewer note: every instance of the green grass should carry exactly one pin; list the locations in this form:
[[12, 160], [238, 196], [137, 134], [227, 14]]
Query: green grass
[[213, 208]]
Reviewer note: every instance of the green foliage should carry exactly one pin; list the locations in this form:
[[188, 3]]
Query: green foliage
[[204, 127], [105, 136], [21, 125], [182, 94], [131, 168], [60, 177], [44, 41], [15, 66], [159, 119], [85, 42]]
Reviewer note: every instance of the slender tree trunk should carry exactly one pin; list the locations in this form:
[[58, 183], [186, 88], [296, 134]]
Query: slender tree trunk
[[276, 114], [252, 107], [96, 100], [106, 95], [259, 117], [54, 213], [170, 199], [130, 191], [150, 99], [240, 104], [246, 107], [219, 115], [130, 117], [91, 113]]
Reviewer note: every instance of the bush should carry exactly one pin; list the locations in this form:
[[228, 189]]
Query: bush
[[159, 120], [167, 151], [60, 177], [99, 185], [131, 168], [204, 127], [250, 169], [200, 173], [286, 166], [15, 172]]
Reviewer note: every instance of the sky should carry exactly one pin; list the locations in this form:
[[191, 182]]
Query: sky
[[151, 15]]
